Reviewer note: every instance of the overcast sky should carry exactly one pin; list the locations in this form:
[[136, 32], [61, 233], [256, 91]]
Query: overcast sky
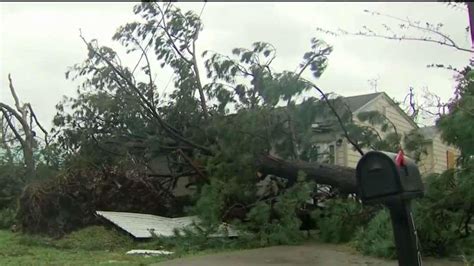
[[39, 41]]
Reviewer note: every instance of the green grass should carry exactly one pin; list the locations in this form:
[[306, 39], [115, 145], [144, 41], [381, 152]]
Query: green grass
[[90, 246]]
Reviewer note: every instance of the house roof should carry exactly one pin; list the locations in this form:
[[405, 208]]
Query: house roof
[[429, 132], [357, 101]]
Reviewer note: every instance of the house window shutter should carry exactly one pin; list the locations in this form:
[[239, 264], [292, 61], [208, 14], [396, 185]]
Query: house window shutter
[[450, 160]]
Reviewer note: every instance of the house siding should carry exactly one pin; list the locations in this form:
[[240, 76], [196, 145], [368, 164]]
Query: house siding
[[383, 105], [439, 156], [433, 161], [426, 164]]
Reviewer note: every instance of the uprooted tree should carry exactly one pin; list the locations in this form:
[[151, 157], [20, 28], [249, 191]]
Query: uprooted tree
[[222, 130]]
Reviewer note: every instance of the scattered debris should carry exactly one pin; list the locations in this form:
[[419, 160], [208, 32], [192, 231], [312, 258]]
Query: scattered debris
[[149, 252], [147, 225]]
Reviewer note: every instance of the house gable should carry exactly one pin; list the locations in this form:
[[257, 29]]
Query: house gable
[[384, 104]]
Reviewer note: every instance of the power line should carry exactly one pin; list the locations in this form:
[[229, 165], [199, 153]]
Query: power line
[[202, 9]]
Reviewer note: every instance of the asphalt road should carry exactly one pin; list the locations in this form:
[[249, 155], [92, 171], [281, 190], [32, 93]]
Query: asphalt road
[[310, 254]]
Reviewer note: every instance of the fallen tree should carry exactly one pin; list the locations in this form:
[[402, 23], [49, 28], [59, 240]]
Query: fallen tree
[[343, 178], [246, 117]]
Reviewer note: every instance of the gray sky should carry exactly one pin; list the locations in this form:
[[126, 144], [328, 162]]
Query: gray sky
[[39, 41]]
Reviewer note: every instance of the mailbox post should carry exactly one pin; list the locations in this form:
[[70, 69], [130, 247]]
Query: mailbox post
[[382, 179]]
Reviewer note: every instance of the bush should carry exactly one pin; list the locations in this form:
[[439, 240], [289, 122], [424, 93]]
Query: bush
[[376, 239], [276, 222], [262, 222], [94, 238], [339, 221], [7, 218], [11, 184], [441, 216]]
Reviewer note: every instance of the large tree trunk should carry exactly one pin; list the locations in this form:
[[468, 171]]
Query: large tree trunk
[[29, 157], [343, 178]]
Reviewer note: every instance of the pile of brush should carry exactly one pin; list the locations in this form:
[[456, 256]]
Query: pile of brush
[[69, 201]]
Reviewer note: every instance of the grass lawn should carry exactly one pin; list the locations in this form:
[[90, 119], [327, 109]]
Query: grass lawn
[[97, 246]]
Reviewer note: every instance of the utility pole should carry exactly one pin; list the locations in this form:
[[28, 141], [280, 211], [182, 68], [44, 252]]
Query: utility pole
[[470, 11]]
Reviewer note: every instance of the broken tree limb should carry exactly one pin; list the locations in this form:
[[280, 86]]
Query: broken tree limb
[[340, 177]]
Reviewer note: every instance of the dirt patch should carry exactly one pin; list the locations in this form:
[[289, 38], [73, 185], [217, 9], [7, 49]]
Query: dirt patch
[[310, 254]]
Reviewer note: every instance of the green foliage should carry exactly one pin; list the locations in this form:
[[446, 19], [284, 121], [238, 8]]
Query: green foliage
[[448, 207], [379, 133], [442, 215], [339, 221], [269, 222], [455, 125], [11, 184], [441, 218], [376, 238], [191, 241], [414, 144], [247, 110], [7, 218], [94, 238], [276, 222]]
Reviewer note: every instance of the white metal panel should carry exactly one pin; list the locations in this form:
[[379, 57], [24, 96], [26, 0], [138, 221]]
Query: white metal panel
[[142, 225], [149, 252]]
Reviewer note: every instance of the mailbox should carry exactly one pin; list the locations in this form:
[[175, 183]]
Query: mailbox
[[380, 178]]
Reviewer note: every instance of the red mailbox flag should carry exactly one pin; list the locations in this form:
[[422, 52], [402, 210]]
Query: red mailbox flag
[[400, 158]]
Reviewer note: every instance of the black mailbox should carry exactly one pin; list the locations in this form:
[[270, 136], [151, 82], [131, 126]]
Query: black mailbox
[[380, 178]]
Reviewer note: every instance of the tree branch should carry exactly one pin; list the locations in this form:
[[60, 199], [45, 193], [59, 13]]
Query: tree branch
[[15, 97], [198, 80], [39, 124], [151, 94], [346, 133], [165, 30], [168, 128], [12, 127], [446, 40]]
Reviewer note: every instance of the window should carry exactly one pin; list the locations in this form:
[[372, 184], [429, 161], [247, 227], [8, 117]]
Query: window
[[332, 154], [326, 153]]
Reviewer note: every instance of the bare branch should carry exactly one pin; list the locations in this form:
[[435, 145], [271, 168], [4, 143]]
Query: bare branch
[[405, 24], [33, 115], [12, 127], [198, 80], [5, 141], [13, 112], [15, 97], [192, 164]]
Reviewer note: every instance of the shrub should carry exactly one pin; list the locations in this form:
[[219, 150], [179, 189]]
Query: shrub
[[376, 239], [94, 238], [339, 221], [11, 184], [7, 218], [276, 222]]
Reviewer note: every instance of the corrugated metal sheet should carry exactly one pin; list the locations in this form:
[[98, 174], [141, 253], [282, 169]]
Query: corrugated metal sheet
[[142, 225]]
